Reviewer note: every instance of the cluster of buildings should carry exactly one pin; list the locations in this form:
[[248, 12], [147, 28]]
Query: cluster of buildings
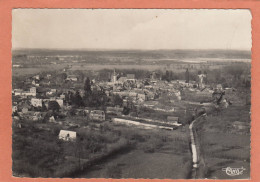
[[38, 99]]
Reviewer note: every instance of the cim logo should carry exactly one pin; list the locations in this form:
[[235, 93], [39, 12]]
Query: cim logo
[[234, 171]]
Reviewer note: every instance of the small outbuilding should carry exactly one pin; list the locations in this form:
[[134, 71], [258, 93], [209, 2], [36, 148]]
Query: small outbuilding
[[67, 135]]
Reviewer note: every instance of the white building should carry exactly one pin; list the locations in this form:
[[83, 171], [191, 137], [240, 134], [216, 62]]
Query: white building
[[36, 102], [72, 78], [32, 92], [67, 135]]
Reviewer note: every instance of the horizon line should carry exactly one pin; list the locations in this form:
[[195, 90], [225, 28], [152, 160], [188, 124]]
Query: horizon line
[[107, 49]]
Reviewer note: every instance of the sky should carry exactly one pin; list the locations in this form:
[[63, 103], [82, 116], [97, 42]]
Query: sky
[[147, 29]]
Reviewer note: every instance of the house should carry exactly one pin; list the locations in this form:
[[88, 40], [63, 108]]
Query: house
[[97, 115], [72, 78], [24, 94], [33, 90], [53, 90], [36, 102], [67, 135]]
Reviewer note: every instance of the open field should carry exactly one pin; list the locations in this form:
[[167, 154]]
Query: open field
[[144, 54], [137, 164], [147, 158], [225, 146]]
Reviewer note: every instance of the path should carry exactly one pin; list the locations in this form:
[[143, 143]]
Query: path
[[195, 148]]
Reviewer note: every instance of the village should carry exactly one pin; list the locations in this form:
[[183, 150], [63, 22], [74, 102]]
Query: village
[[118, 99], [71, 106]]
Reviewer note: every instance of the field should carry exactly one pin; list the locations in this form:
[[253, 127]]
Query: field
[[137, 164], [37, 60], [225, 146], [148, 157]]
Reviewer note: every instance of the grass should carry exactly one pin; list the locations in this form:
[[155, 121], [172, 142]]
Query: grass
[[224, 145], [37, 152], [153, 149]]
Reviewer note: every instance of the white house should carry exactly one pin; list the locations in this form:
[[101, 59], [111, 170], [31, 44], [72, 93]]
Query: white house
[[36, 102], [32, 92], [67, 135], [53, 90]]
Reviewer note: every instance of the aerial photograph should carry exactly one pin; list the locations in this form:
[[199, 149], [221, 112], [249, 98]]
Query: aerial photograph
[[131, 93]]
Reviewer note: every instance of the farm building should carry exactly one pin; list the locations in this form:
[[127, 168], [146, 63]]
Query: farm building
[[97, 115], [67, 135]]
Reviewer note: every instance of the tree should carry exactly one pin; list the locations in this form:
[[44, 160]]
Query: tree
[[117, 100], [126, 111], [77, 100], [187, 76], [167, 75], [60, 78], [53, 105], [87, 87], [44, 108]]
